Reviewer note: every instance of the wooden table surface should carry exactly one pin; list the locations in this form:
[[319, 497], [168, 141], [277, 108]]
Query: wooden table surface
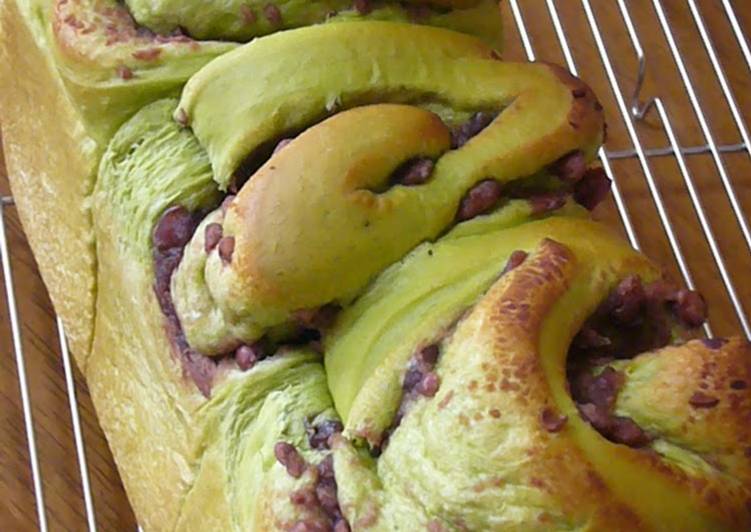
[[64, 502]]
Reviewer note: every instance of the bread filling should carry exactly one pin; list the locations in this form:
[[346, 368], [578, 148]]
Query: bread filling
[[318, 499], [171, 234], [545, 192], [420, 378], [635, 318], [245, 344]]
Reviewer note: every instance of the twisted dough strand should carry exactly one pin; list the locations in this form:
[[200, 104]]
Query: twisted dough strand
[[485, 441], [331, 179], [493, 439]]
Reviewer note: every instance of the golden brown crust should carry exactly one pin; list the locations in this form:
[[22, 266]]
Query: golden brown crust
[[408, 129], [697, 398], [110, 67], [513, 314], [51, 164], [585, 105], [102, 35], [548, 113], [694, 396]]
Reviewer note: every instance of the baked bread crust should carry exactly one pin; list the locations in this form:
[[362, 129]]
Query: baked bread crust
[[51, 161], [50, 71], [208, 457]]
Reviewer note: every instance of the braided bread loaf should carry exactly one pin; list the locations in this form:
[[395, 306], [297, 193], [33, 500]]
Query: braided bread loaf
[[344, 276]]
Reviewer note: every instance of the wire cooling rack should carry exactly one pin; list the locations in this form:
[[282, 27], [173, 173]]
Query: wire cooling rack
[[678, 154]]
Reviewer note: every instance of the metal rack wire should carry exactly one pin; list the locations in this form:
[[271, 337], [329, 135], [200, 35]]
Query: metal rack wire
[[632, 111]]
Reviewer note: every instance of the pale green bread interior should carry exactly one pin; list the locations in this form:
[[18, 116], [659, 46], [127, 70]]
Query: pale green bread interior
[[151, 164], [90, 71], [427, 472], [241, 424], [89, 68], [279, 85], [139, 179]]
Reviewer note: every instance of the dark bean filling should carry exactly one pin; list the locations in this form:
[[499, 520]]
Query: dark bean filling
[[363, 7], [273, 14], [304, 497], [172, 232], [462, 133], [420, 380], [626, 301], [124, 73], [690, 308], [480, 199], [515, 260], [547, 202], [226, 248], [634, 318], [592, 188], [313, 323], [703, 400], [118, 26], [579, 93], [320, 500], [248, 356], [319, 435], [281, 145], [571, 167], [428, 385], [247, 14], [212, 236], [595, 396], [175, 229], [714, 343], [326, 489], [149, 54], [414, 172], [552, 421], [287, 455], [588, 187], [637, 317]]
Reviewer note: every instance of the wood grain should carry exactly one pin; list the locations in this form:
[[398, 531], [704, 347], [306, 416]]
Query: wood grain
[[64, 502]]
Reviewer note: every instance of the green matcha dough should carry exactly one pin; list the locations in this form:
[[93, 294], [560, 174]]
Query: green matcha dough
[[457, 459], [242, 423], [150, 165], [242, 20]]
